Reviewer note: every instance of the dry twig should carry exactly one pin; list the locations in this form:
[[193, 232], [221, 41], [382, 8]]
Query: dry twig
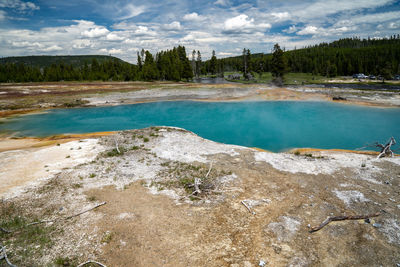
[[59, 219], [341, 218], [90, 261], [4, 256], [247, 207], [5, 230], [209, 170]]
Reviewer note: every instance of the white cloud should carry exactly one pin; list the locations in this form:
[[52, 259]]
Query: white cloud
[[223, 3], [115, 51], [394, 25], [52, 48], [144, 31], [321, 9], [224, 54], [19, 5], [130, 11], [308, 30], [112, 36], [242, 24], [193, 17], [3, 15], [281, 16], [95, 32], [82, 43], [291, 29], [174, 26]]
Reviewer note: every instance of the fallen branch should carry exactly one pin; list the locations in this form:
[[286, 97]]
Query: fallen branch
[[342, 218], [197, 183], [90, 261], [5, 230], [116, 145], [4, 256], [247, 207], [386, 149], [82, 212], [209, 170], [59, 219]]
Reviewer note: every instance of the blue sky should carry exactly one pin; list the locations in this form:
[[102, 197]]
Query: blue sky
[[122, 27]]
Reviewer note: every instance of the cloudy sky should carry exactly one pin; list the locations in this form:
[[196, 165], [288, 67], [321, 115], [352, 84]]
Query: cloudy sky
[[122, 27]]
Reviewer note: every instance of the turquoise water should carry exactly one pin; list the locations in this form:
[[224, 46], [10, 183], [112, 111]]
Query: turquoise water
[[270, 125]]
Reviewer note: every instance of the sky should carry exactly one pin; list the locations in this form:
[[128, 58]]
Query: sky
[[122, 27]]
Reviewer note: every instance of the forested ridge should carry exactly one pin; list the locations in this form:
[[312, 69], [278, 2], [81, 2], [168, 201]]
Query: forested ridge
[[342, 57]]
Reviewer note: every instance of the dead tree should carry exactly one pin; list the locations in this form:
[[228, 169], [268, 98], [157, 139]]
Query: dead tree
[[386, 149]]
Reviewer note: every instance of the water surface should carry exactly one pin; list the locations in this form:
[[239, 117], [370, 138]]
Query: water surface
[[271, 125]]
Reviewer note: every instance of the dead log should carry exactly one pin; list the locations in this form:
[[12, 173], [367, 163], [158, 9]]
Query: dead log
[[341, 218], [386, 150]]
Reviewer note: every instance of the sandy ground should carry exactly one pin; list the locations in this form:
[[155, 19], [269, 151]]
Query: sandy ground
[[149, 220]]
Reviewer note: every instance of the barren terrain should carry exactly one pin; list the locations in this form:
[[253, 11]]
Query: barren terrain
[[34, 97], [175, 199], [153, 217]]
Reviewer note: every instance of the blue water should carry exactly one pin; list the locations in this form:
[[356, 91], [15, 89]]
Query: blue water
[[270, 125]]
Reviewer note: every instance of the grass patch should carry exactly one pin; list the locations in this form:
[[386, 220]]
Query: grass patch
[[25, 243], [146, 139], [114, 152], [92, 175], [183, 175], [289, 78]]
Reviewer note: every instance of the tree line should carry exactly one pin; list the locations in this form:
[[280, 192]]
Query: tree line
[[343, 57], [171, 65]]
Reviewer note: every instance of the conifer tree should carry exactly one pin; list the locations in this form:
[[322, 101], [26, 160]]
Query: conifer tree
[[213, 63], [278, 64]]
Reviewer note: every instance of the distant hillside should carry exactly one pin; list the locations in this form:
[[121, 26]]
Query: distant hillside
[[47, 61], [342, 57]]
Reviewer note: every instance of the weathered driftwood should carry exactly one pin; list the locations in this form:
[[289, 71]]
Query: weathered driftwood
[[248, 207], [209, 170], [386, 149], [116, 146], [91, 261], [82, 212], [4, 256], [341, 218], [197, 183]]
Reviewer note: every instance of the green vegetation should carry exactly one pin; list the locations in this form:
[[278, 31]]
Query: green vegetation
[[24, 242], [343, 57], [169, 65], [278, 64], [114, 152], [47, 61], [290, 78]]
